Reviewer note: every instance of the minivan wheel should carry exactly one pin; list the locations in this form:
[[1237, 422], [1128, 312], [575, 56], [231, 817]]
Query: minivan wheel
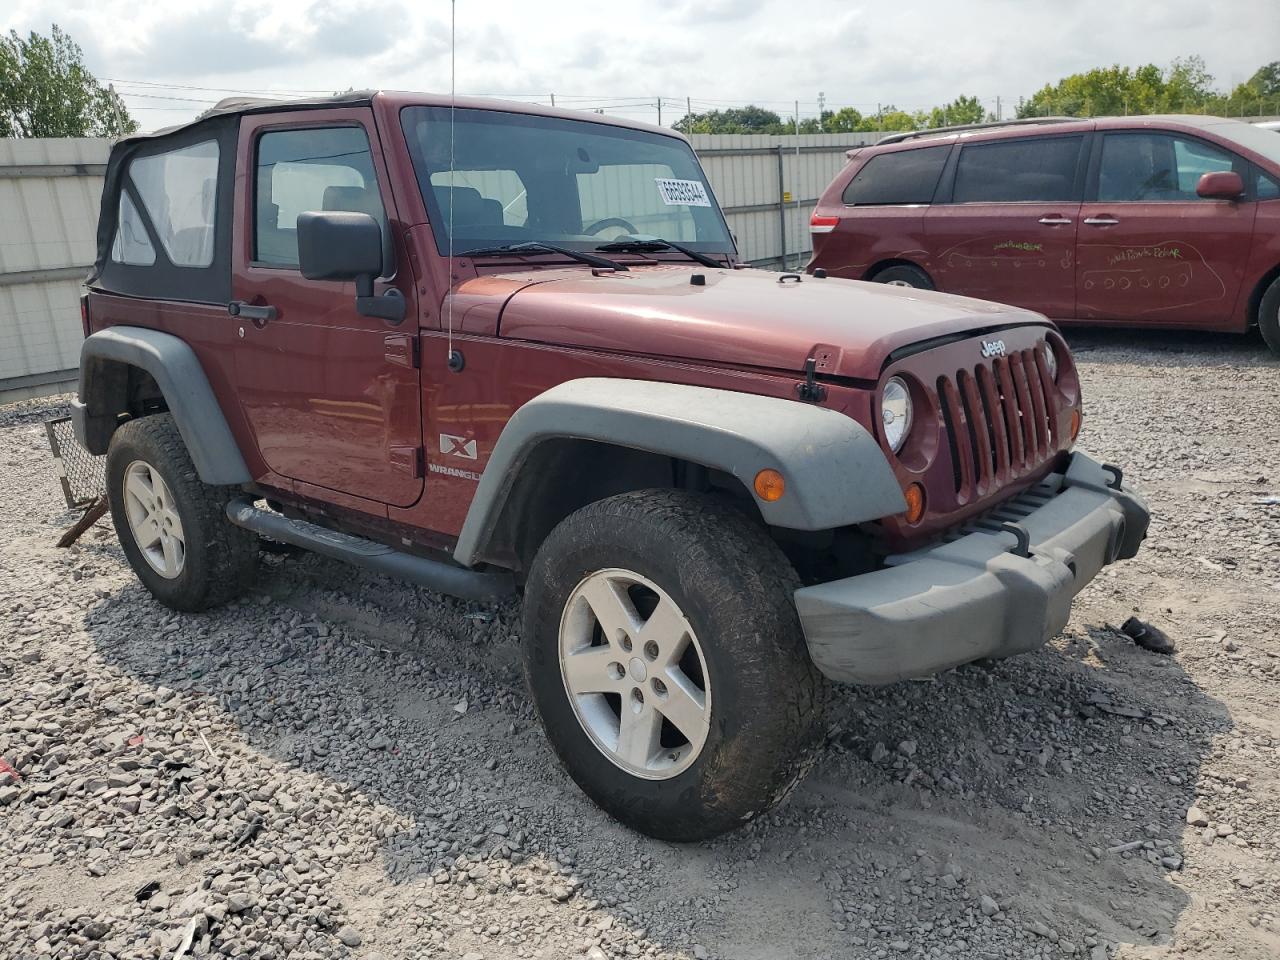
[[1269, 316], [903, 275], [171, 526], [666, 660]]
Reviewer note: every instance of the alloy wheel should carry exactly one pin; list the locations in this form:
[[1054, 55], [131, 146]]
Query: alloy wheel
[[153, 519], [635, 674]]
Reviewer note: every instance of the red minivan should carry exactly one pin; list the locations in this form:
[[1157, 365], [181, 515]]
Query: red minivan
[[1153, 221]]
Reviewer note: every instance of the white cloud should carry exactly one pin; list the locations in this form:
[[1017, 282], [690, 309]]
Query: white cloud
[[730, 51]]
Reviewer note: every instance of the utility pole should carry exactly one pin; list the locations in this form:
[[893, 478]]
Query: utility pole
[[796, 199], [553, 99], [999, 112], [659, 111], [822, 103], [688, 112]]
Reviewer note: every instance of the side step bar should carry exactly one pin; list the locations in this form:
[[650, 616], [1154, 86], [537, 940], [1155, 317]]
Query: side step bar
[[378, 557]]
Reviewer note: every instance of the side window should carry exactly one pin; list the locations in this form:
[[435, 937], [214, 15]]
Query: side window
[[905, 176], [1009, 171], [1193, 159], [179, 191], [483, 197], [1267, 187], [1156, 167], [131, 246], [324, 168]]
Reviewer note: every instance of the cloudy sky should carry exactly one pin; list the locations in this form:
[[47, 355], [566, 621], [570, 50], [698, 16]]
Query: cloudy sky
[[172, 59]]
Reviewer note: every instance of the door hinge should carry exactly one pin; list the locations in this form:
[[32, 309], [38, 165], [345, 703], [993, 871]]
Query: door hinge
[[410, 461], [403, 349]]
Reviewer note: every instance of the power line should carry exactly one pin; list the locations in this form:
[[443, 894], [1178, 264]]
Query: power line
[[185, 86]]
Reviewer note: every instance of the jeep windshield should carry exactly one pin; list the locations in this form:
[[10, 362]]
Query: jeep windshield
[[521, 178]]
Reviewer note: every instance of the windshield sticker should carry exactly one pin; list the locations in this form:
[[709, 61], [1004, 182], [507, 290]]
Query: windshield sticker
[[683, 193]]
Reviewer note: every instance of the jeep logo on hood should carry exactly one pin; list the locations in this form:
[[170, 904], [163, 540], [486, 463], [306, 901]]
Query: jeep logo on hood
[[992, 348]]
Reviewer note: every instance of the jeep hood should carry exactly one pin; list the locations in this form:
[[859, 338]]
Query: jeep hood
[[746, 318]]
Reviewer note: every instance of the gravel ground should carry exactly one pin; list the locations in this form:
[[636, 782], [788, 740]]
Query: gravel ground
[[340, 766]]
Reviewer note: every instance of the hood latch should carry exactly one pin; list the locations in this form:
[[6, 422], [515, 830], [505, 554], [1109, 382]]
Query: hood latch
[[811, 391]]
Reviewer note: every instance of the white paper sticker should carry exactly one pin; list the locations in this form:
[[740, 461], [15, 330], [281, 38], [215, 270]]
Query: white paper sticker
[[683, 193]]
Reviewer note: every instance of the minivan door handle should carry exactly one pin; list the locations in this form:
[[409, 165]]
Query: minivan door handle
[[1103, 221], [1054, 220]]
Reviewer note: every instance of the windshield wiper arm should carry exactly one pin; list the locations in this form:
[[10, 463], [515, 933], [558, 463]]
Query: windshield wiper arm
[[537, 246], [657, 243]]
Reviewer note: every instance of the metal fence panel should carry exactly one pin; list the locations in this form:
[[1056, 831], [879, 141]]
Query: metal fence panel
[[768, 186], [49, 196]]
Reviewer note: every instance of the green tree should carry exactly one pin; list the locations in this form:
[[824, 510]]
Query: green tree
[[891, 118], [959, 111], [46, 91], [1185, 86], [1260, 94], [1267, 80], [844, 120], [749, 119]]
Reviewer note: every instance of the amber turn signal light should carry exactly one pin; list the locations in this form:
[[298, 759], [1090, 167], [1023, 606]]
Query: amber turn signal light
[[1075, 425], [914, 495], [769, 485]]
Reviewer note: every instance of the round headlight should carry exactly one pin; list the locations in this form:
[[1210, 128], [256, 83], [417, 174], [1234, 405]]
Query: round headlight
[[1050, 360], [895, 412]]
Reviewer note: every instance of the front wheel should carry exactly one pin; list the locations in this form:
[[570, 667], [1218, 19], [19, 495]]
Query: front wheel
[[1269, 316], [666, 660]]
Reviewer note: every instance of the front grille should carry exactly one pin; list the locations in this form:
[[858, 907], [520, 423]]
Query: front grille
[[1001, 420]]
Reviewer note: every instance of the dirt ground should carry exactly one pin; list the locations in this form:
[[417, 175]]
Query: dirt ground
[[339, 766]]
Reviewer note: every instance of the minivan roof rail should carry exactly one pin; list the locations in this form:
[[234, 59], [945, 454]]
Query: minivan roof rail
[[935, 131]]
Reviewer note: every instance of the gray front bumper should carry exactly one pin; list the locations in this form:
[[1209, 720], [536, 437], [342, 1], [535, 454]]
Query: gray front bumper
[[976, 596]]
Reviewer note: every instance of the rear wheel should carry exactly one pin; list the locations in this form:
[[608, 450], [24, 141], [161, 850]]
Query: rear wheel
[[171, 525], [665, 657], [1269, 316], [904, 275]]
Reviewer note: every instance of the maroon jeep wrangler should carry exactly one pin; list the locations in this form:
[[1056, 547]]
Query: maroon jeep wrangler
[[496, 349]]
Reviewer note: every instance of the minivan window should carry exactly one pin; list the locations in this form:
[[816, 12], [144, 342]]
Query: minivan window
[[1011, 171], [901, 177], [1158, 167], [322, 168]]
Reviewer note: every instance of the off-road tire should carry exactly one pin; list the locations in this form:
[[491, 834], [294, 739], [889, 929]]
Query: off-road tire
[[220, 557], [904, 275], [734, 586], [1269, 316]]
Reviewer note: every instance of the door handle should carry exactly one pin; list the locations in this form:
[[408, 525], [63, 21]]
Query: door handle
[[1101, 221], [1055, 221], [250, 311]]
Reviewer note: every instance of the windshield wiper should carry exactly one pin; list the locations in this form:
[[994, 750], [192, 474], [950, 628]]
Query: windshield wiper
[[646, 244], [537, 246]]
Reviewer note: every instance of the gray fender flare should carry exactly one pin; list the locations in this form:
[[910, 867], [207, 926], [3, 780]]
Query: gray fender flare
[[177, 371], [835, 471]]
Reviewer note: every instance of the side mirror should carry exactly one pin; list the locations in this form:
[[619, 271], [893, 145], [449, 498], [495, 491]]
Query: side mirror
[[340, 245], [1220, 185]]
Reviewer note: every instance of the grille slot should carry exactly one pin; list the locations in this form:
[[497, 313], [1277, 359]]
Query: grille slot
[[1001, 421]]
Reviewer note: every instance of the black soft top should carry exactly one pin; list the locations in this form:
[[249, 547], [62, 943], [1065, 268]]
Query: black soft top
[[163, 279], [238, 106]]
